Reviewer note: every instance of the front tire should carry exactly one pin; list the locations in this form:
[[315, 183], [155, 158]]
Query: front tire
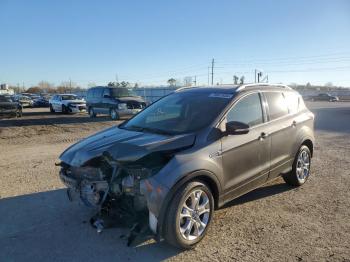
[[51, 109], [64, 109], [189, 215], [113, 114], [301, 168], [19, 112], [92, 113]]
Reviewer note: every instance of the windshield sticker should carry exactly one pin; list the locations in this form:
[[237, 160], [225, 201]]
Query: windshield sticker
[[221, 95]]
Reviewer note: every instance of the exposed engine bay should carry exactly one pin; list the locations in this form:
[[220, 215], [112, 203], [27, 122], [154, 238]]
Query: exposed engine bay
[[113, 189]]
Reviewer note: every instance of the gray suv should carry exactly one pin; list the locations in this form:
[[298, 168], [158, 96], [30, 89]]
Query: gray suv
[[190, 153]]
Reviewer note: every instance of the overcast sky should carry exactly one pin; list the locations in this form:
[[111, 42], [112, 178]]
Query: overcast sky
[[151, 41]]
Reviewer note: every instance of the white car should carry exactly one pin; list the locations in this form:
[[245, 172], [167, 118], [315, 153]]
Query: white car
[[67, 103]]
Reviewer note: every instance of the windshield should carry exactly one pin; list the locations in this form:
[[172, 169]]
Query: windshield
[[180, 113], [5, 99], [122, 92], [69, 97]]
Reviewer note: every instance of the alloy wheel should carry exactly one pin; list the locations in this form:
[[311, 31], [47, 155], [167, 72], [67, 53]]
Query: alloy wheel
[[303, 165], [194, 215]]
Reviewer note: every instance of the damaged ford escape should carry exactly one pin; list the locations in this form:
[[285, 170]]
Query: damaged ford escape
[[190, 153]]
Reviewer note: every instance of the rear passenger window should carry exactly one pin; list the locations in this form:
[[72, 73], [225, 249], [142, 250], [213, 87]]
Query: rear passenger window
[[247, 110], [277, 105], [292, 100]]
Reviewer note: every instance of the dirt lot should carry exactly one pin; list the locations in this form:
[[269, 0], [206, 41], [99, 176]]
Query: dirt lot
[[273, 223]]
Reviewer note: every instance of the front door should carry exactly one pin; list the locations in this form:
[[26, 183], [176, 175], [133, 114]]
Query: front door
[[246, 157]]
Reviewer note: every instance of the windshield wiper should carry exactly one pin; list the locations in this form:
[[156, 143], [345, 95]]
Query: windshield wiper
[[148, 129]]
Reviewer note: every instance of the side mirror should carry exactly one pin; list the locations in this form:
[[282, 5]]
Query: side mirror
[[236, 128]]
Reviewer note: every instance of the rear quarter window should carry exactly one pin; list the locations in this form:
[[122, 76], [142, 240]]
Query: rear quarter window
[[277, 105], [292, 100]]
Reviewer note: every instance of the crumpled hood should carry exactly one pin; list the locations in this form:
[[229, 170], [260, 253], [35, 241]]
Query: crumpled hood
[[123, 145]]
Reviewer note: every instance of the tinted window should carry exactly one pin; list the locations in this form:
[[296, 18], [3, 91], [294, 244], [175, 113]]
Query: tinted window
[[98, 92], [292, 100], [5, 99], [68, 97], [122, 92], [277, 104], [106, 92], [90, 93], [247, 110]]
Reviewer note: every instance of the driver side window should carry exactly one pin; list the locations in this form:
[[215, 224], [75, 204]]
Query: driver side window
[[247, 110]]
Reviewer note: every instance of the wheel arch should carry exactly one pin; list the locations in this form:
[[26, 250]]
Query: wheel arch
[[309, 144]]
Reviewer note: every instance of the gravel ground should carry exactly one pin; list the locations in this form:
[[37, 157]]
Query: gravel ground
[[273, 223]]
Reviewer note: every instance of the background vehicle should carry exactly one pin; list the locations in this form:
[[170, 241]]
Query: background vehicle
[[114, 101], [66, 103], [9, 107], [42, 101], [25, 101], [191, 151], [324, 97]]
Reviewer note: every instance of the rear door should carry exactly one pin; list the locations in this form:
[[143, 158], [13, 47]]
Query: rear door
[[282, 130], [246, 156], [98, 107], [106, 100]]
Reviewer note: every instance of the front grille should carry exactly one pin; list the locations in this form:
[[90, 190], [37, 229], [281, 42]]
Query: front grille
[[135, 105]]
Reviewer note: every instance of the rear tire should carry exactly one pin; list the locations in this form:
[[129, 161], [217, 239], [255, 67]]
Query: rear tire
[[301, 168], [189, 215], [92, 113]]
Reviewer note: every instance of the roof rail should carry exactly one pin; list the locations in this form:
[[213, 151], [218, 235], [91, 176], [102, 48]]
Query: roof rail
[[261, 84], [184, 87]]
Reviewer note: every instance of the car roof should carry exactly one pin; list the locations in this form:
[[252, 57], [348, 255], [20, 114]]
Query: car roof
[[66, 95]]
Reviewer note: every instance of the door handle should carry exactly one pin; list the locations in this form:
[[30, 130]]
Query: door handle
[[263, 135], [294, 123]]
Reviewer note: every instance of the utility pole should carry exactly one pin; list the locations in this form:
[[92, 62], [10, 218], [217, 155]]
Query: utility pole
[[212, 71], [70, 84], [116, 78], [195, 81]]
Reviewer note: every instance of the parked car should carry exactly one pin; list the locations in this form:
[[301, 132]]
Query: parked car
[[8, 107], [42, 101], [25, 101], [191, 152], [324, 97], [115, 101], [66, 103]]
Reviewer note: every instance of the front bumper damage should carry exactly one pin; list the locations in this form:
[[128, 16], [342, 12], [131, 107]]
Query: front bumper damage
[[121, 197], [118, 172]]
